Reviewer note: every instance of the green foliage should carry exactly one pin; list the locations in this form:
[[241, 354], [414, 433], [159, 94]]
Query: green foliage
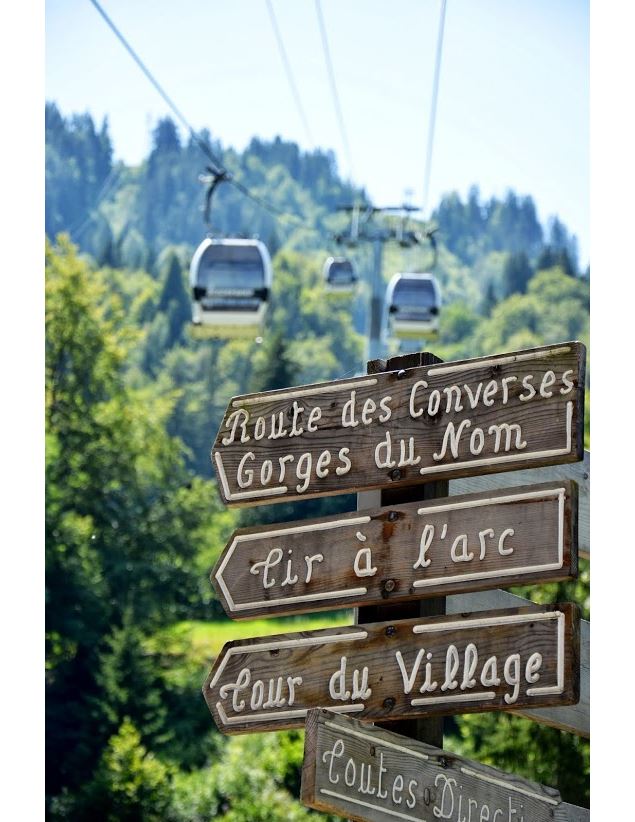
[[257, 780], [122, 516], [527, 748], [458, 322], [78, 164], [174, 300], [516, 274], [130, 784], [273, 366], [555, 308], [129, 685], [473, 228]]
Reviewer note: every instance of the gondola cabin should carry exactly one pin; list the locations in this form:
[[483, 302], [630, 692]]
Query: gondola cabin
[[339, 276], [231, 284], [413, 303]]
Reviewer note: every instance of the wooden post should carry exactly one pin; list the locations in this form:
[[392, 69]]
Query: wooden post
[[424, 730]]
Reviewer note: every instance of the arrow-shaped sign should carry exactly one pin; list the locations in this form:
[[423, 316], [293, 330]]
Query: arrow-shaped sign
[[511, 536], [383, 671], [480, 416], [366, 773]]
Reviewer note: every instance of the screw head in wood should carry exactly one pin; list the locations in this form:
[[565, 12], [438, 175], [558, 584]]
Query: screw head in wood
[[392, 516], [395, 474], [401, 374], [389, 585], [389, 703], [391, 630]]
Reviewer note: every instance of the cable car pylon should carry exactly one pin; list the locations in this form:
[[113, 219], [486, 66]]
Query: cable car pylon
[[364, 230]]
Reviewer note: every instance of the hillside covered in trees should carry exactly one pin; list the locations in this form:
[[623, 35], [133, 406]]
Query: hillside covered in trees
[[133, 519]]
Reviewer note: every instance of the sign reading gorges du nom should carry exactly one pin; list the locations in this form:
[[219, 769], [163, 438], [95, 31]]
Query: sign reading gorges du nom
[[490, 660], [511, 536], [367, 773], [510, 411]]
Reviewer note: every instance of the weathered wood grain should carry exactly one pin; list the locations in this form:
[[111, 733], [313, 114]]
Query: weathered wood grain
[[401, 552], [373, 775], [426, 729], [572, 718], [526, 657], [481, 416], [580, 472]]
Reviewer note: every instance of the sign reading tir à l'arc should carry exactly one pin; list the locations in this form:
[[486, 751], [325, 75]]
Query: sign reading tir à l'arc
[[511, 536]]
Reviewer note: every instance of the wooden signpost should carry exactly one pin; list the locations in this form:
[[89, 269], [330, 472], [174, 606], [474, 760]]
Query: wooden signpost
[[383, 671], [479, 416], [507, 537], [368, 773], [418, 561]]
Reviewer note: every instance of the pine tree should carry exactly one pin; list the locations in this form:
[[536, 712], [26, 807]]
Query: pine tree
[[516, 274], [129, 685], [174, 300], [130, 784], [552, 257], [489, 300], [275, 367]]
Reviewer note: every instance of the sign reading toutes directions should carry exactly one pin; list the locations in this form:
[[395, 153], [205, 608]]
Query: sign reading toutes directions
[[479, 416], [490, 660], [371, 774], [504, 537]]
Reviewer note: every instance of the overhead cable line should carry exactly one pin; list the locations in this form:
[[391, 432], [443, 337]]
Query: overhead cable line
[[289, 72], [216, 169], [106, 189], [433, 109], [171, 104], [333, 84]]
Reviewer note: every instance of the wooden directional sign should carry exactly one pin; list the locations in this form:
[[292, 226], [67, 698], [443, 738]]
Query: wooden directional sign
[[485, 415], [387, 671], [466, 543], [367, 773]]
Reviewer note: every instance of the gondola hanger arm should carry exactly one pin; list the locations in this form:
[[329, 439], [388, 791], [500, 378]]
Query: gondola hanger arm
[[213, 179]]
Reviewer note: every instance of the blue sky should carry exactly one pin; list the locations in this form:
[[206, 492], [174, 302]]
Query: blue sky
[[513, 102]]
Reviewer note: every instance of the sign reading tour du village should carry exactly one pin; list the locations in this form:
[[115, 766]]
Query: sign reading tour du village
[[491, 660], [499, 413], [367, 773], [506, 537]]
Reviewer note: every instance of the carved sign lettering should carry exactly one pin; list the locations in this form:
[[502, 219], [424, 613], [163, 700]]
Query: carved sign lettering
[[491, 414], [490, 660], [505, 537], [367, 773]]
